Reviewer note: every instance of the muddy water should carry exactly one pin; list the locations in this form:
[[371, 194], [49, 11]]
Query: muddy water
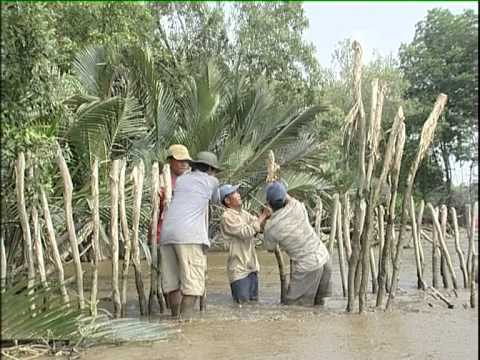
[[419, 327]]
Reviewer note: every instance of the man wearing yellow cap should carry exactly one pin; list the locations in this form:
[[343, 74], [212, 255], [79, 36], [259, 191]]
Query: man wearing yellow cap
[[179, 161]]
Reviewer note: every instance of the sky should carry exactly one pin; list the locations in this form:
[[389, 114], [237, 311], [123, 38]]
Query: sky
[[378, 26]]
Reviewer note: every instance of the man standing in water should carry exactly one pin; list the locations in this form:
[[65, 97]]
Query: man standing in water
[[179, 160], [239, 229], [184, 236], [290, 228]]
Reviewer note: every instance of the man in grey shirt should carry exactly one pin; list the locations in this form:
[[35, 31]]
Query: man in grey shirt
[[184, 235]]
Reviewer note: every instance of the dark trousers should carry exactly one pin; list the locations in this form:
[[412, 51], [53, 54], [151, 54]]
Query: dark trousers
[[245, 289]]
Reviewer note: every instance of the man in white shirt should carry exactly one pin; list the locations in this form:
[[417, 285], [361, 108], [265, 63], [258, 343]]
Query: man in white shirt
[[184, 235]]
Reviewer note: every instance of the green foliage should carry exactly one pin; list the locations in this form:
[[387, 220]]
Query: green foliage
[[443, 57]]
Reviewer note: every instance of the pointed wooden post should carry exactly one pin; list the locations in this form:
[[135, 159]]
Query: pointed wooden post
[[416, 247], [67, 195], [126, 237], [341, 255], [22, 212], [95, 234], [137, 179], [114, 180], [155, 201], [461, 257], [426, 138]]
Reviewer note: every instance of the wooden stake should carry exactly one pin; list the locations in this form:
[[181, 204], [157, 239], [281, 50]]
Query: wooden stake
[[67, 195], [341, 256], [358, 122], [374, 195], [443, 246], [53, 246], [419, 232], [443, 264], [416, 247], [426, 138], [114, 179], [438, 295], [318, 217], [22, 213], [126, 237], [461, 258], [3, 265], [435, 255], [137, 179], [381, 234], [333, 223], [346, 224], [155, 201], [272, 174], [96, 234]]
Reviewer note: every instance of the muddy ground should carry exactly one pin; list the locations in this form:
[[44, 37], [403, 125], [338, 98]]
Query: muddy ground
[[418, 327]]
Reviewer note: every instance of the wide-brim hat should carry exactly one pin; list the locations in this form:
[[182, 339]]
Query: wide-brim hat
[[207, 158], [178, 152]]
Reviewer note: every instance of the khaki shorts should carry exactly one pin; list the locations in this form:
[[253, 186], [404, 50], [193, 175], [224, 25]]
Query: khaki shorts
[[183, 267]]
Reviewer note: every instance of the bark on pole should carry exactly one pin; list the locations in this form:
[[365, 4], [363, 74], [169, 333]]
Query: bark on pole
[[435, 251], [155, 201], [419, 232], [472, 255], [126, 238], [318, 217], [443, 245], [137, 179], [166, 184], [3, 265], [471, 222], [341, 255], [426, 138], [374, 195], [333, 223], [357, 115], [114, 180], [53, 246], [38, 247], [461, 257], [272, 175], [361, 222], [420, 283], [22, 212], [96, 233], [381, 235], [67, 195], [443, 263], [346, 224]]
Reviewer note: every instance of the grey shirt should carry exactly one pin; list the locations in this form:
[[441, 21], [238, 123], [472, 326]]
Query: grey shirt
[[186, 220]]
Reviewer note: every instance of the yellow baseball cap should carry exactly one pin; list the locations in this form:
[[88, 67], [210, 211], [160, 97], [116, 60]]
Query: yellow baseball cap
[[178, 152]]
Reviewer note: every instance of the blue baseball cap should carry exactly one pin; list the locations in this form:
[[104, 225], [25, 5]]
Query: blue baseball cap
[[226, 190], [276, 193]]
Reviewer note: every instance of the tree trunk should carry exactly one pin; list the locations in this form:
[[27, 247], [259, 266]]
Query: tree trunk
[[67, 194], [114, 179], [419, 232], [443, 263]]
